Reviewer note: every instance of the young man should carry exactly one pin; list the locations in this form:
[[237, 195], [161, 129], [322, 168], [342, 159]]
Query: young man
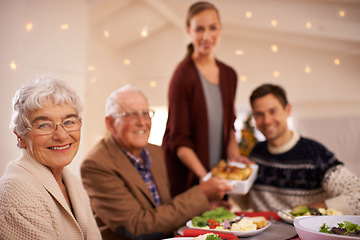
[[126, 177], [294, 170]]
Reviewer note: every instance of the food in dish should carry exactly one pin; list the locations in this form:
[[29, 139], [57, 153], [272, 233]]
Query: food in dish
[[221, 219], [288, 215], [235, 233], [208, 236], [212, 219], [223, 170], [346, 229], [309, 227], [308, 211]]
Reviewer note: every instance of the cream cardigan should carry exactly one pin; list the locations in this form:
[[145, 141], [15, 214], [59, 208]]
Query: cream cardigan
[[32, 205]]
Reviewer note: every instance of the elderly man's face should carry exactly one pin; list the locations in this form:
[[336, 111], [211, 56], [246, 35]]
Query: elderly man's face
[[132, 132], [55, 150]]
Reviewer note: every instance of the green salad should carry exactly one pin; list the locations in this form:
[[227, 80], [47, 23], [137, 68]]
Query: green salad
[[218, 215], [346, 228]]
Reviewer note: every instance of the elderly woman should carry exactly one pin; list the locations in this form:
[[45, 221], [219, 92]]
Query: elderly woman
[[39, 197]]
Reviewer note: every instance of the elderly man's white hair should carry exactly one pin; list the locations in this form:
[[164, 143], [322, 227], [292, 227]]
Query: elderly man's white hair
[[112, 106]]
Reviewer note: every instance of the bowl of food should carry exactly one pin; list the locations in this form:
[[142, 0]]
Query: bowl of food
[[328, 227], [241, 175]]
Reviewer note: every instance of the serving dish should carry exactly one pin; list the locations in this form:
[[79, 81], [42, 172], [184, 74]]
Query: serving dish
[[308, 228], [236, 233], [240, 187]]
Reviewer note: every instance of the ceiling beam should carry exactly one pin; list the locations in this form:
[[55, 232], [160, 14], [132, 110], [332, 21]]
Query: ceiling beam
[[165, 11]]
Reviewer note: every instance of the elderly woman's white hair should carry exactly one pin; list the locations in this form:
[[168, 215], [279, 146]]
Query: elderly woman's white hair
[[111, 105], [30, 97]]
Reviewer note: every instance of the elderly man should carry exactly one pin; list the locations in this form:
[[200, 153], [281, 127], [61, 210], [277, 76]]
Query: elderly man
[[294, 170], [126, 177]]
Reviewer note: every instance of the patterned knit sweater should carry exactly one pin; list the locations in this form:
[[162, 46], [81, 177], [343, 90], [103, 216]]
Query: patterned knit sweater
[[302, 172]]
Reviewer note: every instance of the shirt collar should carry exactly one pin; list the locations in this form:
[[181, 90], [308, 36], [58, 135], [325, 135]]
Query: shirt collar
[[146, 161], [287, 146]]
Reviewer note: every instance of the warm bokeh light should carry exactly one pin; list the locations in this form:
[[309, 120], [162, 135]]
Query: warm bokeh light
[[307, 69], [342, 13], [91, 68], [337, 61], [64, 26], [13, 65], [127, 61], [308, 25], [243, 78], [274, 48], [239, 52], [29, 26], [276, 74], [153, 84], [106, 34], [274, 23], [144, 32], [248, 14]]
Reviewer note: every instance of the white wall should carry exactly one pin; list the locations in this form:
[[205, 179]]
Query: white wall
[[44, 49]]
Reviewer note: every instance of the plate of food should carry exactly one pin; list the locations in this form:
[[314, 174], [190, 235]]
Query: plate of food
[[222, 221], [288, 215], [241, 175], [335, 227], [206, 236]]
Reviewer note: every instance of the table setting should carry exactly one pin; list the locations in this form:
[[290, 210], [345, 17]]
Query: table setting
[[300, 223]]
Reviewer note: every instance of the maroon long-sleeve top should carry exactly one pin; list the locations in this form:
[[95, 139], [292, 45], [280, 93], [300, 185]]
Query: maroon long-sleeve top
[[187, 123]]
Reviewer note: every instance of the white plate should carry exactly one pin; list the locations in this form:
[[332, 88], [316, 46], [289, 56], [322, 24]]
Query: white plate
[[240, 187], [285, 217], [309, 227], [236, 233]]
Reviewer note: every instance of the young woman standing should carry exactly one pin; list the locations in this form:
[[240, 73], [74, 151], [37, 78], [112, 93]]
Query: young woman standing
[[200, 127]]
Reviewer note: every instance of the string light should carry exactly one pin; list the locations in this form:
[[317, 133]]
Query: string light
[[274, 48], [64, 26], [243, 78], [337, 61], [29, 26], [106, 34], [144, 32], [342, 13], [308, 25], [307, 69], [91, 68], [274, 23], [153, 84], [276, 74], [13, 65], [239, 52], [127, 61], [248, 14]]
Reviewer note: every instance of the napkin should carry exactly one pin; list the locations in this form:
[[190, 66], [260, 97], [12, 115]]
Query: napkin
[[259, 214], [196, 232]]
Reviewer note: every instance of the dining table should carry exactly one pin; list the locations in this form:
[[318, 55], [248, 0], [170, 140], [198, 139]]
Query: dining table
[[278, 229]]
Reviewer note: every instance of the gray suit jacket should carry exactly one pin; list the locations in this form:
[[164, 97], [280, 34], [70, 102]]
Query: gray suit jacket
[[123, 205]]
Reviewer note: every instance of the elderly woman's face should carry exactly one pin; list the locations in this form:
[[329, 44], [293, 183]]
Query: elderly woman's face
[[54, 150]]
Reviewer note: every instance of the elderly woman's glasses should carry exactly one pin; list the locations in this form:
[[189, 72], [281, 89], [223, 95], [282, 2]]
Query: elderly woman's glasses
[[49, 127], [135, 115]]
